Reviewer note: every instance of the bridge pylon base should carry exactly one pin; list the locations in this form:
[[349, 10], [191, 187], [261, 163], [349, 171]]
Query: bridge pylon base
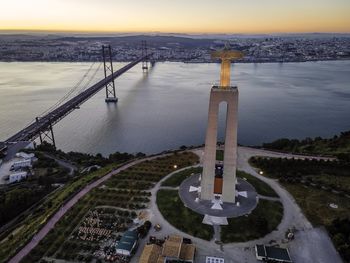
[[111, 99]]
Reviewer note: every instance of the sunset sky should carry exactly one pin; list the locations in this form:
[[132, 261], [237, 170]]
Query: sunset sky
[[180, 16]]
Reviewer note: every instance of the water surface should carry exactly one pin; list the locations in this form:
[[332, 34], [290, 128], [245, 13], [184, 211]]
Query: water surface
[[167, 107]]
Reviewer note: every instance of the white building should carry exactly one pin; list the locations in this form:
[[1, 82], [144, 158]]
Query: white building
[[26, 156], [22, 164], [16, 177]]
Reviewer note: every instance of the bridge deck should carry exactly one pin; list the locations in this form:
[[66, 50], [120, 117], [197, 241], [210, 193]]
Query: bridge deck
[[32, 131]]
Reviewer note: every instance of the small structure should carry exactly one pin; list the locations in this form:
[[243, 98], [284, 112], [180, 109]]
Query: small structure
[[16, 177], [150, 254], [21, 164], [157, 227], [275, 254], [26, 156], [173, 249], [127, 244], [214, 260]]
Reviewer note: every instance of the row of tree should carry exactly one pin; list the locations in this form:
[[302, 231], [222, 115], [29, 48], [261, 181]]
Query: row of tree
[[333, 146], [283, 167], [340, 233], [15, 201]]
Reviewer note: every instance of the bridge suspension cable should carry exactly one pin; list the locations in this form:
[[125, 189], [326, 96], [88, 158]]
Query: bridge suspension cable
[[86, 85], [71, 91]]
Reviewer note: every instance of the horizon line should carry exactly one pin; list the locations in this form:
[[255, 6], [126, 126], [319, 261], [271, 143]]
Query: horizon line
[[7, 31]]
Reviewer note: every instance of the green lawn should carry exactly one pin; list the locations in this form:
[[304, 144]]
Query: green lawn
[[336, 182], [261, 187], [176, 179], [184, 219], [315, 203], [264, 219], [219, 155]]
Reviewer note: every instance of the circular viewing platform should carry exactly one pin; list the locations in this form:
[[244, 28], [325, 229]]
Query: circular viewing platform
[[246, 199]]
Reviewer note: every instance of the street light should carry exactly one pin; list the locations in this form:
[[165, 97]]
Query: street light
[[261, 172], [175, 166]]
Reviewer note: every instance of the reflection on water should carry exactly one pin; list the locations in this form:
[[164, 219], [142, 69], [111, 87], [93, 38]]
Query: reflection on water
[[167, 107]]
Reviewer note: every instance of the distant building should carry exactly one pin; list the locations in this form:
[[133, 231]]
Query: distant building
[[128, 243], [16, 177], [173, 250], [275, 254]]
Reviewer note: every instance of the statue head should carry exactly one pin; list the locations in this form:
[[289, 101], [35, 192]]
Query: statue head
[[226, 55]]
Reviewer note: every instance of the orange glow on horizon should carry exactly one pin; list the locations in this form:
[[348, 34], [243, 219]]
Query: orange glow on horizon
[[180, 16]]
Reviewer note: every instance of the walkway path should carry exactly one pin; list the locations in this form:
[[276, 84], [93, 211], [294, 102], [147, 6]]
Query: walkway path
[[63, 163], [244, 252], [58, 215], [233, 253]]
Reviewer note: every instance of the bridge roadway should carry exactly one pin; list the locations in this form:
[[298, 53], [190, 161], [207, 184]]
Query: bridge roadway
[[32, 131]]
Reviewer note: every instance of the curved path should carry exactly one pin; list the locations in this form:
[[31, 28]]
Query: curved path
[[315, 244], [238, 252], [58, 215]]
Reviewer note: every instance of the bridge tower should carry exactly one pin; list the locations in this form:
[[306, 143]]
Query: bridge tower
[[46, 134], [108, 70], [144, 53]]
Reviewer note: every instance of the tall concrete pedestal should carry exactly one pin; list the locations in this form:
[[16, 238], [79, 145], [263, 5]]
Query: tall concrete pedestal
[[230, 96]]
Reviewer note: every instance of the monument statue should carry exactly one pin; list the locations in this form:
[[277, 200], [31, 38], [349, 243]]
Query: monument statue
[[229, 94]]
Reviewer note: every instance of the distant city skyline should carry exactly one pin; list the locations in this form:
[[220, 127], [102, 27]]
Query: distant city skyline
[[180, 16]]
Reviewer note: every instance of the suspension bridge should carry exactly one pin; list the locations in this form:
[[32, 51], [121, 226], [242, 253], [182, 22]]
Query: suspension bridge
[[41, 127]]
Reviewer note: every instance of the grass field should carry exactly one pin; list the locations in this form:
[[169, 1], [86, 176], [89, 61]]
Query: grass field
[[336, 182], [264, 219], [315, 203], [219, 155], [176, 179], [261, 187], [184, 219]]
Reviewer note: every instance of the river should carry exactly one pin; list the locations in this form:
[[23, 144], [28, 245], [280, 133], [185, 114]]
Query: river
[[167, 107]]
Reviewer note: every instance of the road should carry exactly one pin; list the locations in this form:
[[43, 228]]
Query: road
[[310, 243], [63, 163], [58, 215], [44, 123]]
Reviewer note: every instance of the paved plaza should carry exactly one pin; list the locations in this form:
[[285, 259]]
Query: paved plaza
[[246, 199]]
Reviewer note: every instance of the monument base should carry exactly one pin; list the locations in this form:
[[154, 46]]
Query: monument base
[[246, 199]]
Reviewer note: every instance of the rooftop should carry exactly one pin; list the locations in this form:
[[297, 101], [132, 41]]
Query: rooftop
[[150, 254], [172, 247], [278, 253], [127, 241], [273, 253], [187, 251]]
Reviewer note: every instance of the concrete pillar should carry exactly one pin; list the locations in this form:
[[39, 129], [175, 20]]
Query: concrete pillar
[[207, 180], [230, 150], [217, 95], [225, 73]]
